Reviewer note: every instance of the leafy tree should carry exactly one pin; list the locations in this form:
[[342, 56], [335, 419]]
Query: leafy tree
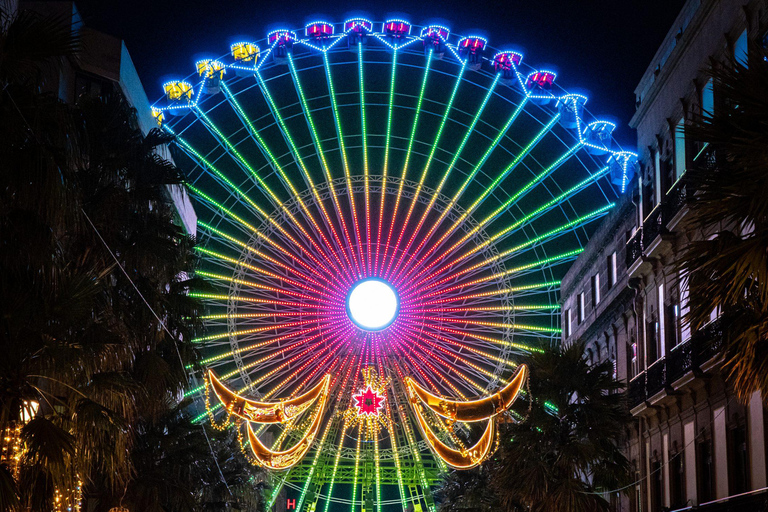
[[94, 306], [565, 452], [728, 272]]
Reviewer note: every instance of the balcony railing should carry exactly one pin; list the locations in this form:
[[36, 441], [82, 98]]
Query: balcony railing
[[656, 377], [689, 356], [678, 196], [634, 248], [653, 225]]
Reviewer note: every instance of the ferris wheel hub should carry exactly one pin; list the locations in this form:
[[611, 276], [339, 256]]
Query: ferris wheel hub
[[372, 304]]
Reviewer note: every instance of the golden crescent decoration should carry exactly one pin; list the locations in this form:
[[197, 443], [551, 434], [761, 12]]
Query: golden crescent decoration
[[276, 412], [459, 459], [468, 411], [265, 412], [472, 410], [287, 458]]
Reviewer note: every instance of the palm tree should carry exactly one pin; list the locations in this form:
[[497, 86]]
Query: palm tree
[[729, 270], [567, 450], [82, 197], [468, 491]]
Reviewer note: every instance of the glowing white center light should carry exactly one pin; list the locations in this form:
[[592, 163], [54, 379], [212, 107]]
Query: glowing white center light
[[372, 304]]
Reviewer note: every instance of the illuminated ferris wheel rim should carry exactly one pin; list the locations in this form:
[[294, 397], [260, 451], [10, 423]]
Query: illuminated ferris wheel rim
[[340, 349], [502, 59]]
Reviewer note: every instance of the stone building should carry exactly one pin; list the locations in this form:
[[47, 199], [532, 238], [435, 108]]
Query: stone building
[[104, 66], [692, 444]]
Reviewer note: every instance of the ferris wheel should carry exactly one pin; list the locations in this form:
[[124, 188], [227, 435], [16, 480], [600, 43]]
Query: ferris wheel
[[385, 211]]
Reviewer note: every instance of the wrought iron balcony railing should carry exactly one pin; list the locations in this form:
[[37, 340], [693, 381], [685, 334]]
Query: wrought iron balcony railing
[[634, 248]]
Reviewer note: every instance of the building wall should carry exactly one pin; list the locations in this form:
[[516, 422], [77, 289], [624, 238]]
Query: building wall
[[104, 64], [692, 441]]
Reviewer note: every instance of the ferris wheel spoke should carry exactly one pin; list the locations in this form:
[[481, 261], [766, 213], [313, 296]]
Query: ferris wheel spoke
[[326, 169], [341, 338], [443, 179], [253, 346], [385, 167], [408, 153], [250, 284], [465, 346], [219, 209], [270, 260], [254, 268], [521, 270], [454, 200], [237, 158], [267, 152], [424, 173], [345, 162], [450, 365], [495, 183], [527, 218], [392, 433], [343, 269], [596, 214], [414, 339], [364, 137]]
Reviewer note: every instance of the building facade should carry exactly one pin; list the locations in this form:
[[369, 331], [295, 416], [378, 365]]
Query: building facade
[[692, 443], [105, 66]]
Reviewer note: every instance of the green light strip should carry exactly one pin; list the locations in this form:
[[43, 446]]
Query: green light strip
[[305, 172], [275, 164], [446, 174], [558, 230], [256, 207], [335, 467], [408, 152], [526, 150], [365, 159], [321, 156], [314, 466], [340, 136], [547, 205], [466, 183], [427, 165], [386, 157], [356, 472]]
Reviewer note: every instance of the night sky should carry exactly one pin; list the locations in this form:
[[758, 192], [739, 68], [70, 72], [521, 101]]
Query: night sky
[[602, 46]]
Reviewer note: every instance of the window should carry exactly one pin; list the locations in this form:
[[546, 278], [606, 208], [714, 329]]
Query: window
[[596, 289], [685, 328], [657, 485], [660, 324], [706, 477], [677, 478], [673, 325], [581, 307], [738, 460], [651, 342], [740, 48], [568, 321], [612, 269], [708, 99], [679, 149]]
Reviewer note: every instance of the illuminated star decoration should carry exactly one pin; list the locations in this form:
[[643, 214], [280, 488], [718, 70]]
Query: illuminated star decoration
[[368, 402]]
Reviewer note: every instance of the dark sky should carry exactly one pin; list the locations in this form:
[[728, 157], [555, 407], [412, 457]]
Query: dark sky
[[602, 46]]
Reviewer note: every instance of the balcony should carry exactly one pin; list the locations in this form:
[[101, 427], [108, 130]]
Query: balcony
[[656, 237], [636, 264], [688, 358], [678, 198], [656, 378], [636, 391]]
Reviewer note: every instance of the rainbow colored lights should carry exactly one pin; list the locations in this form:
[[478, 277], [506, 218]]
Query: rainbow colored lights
[[453, 172]]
